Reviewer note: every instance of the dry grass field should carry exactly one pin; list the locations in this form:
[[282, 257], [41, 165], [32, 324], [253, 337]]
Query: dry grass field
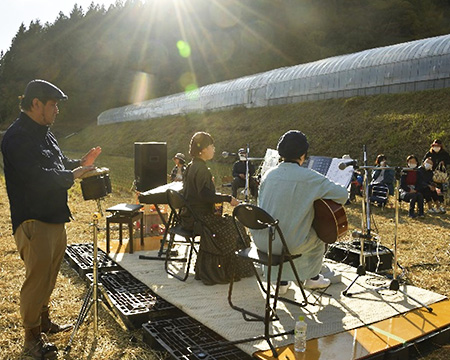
[[423, 253]]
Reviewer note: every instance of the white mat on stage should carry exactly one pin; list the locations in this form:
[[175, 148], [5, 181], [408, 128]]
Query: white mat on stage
[[335, 313]]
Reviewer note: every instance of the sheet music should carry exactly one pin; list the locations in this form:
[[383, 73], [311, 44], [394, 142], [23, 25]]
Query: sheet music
[[326, 166], [270, 160], [321, 164], [342, 177], [329, 167]]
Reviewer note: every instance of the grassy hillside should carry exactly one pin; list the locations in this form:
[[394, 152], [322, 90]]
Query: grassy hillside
[[394, 124]]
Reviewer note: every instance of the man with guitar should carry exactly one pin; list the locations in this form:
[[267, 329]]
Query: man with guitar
[[288, 192]]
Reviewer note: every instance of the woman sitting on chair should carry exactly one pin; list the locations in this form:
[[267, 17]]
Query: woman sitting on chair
[[409, 185], [216, 256], [383, 176]]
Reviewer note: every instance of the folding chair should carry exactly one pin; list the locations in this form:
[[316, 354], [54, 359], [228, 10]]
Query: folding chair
[[253, 217], [177, 203], [379, 194]]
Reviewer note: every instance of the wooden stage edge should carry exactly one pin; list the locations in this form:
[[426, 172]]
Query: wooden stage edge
[[394, 338]]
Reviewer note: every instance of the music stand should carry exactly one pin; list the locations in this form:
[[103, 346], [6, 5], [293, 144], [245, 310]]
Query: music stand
[[92, 296]]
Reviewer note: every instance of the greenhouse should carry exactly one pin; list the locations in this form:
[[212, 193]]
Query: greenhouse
[[406, 67]]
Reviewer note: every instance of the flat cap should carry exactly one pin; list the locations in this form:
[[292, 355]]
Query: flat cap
[[43, 89]]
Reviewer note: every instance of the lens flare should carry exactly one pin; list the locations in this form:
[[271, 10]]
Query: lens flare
[[141, 87], [183, 48], [192, 92]]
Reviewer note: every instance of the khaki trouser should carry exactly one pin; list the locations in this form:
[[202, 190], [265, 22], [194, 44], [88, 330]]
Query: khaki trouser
[[41, 247]]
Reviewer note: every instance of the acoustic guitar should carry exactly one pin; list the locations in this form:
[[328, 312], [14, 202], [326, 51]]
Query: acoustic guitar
[[330, 220]]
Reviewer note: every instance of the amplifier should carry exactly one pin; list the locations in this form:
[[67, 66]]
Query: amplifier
[[378, 258]]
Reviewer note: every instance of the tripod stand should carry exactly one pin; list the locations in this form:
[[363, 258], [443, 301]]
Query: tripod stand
[[394, 285], [92, 296], [367, 235]]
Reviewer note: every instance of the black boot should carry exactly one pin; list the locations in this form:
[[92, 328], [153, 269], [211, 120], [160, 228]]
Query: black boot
[[37, 346], [47, 326]]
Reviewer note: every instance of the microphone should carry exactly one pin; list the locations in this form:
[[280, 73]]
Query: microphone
[[225, 154], [344, 164]]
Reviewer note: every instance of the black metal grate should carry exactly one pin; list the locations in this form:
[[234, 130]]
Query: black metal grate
[[80, 258], [133, 299], [185, 338]]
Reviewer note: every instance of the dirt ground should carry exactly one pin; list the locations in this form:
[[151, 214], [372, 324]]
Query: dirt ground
[[423, 256]]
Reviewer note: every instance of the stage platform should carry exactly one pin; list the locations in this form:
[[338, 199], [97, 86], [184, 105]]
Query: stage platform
[[371, 324]]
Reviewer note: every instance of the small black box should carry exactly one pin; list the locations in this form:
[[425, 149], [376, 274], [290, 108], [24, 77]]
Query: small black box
[[378, 258]]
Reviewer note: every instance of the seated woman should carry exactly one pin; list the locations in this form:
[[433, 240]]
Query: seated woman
[[440, 157], [383, 176], [428, 188], [408, 187], [216, 256]]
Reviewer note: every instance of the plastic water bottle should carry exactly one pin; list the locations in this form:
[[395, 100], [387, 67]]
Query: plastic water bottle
[[300, 335]]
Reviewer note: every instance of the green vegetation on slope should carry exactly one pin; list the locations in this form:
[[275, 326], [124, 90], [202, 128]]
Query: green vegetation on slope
[[394, 124]]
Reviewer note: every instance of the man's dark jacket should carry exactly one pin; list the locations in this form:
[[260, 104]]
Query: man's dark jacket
[[37, 173]]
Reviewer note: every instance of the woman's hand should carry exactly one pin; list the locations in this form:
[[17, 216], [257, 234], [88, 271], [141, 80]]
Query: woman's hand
[[234, 201]]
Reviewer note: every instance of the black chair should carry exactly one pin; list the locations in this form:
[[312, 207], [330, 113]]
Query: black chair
[[379, 194], [253, 217], [177, 203]]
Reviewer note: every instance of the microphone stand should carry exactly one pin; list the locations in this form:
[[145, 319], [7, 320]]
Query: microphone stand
[[366, 233], [92, 298], [247, 174], [365, 224], [394, 285]]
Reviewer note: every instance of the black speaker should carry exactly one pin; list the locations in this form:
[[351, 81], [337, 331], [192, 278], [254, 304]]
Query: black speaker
[[150, 165]]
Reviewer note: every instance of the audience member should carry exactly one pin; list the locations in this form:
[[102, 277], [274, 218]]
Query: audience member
[[440, 157], [428, 188], [409, 187], [383, 176], [179, 168]]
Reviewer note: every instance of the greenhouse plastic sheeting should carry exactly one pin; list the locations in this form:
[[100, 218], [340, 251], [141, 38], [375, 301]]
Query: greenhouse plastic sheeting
[[412, 66]]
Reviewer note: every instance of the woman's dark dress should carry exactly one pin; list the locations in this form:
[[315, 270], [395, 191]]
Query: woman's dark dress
[[219, 238]]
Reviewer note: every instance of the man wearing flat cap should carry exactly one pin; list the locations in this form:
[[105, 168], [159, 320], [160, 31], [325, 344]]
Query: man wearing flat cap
[[38, 176], [287, 192]]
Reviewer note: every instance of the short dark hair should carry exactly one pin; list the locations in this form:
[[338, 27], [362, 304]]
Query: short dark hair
[[380, 158], [412, 157], [199, 141], [27, 101]]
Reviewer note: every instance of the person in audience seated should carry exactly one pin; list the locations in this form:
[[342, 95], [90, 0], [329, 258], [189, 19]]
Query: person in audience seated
[[179, 168], [287, 192], [428, 188], [438, 154], [219, 242], [408, 187], [383, 176], [440, 157], [239, 172]]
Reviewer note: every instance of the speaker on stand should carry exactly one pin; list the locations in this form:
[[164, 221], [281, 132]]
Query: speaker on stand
[[150, 165], [150, 171]]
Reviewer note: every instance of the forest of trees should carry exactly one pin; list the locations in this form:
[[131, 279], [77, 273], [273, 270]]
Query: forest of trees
[[138, 50]]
